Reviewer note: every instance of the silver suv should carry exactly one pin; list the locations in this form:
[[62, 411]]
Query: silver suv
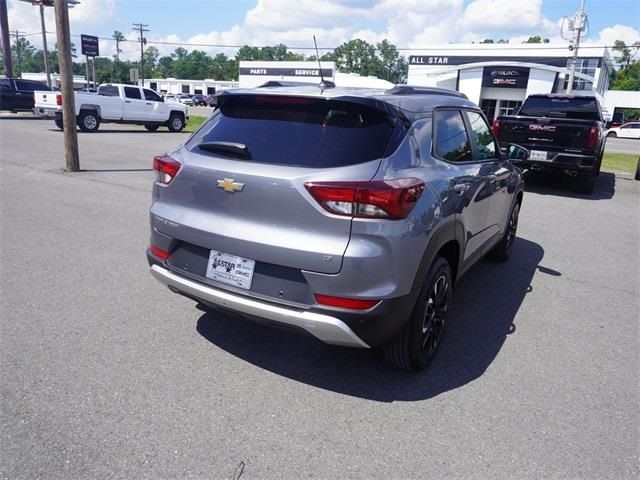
[[346, 213]]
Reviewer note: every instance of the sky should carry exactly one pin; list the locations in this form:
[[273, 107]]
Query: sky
[[219, 25]]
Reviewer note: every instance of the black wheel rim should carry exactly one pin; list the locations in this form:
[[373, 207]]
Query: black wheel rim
[[434, 315], [512, 228]]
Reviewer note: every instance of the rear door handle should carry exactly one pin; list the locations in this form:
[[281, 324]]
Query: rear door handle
[[127, 101], [147, 103], [460, 188]]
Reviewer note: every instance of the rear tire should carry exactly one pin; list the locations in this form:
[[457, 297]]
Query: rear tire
[[502, 251], [416, 345], [637, 177], [88, 121], [176, 122], [612, 134], [152, 127], [59, 123]]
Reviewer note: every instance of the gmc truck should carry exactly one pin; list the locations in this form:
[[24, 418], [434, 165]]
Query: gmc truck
[[117, 103], [563, 133]]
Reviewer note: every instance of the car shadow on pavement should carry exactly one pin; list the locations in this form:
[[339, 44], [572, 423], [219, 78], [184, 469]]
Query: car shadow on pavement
[[486, 302], [564, 186]]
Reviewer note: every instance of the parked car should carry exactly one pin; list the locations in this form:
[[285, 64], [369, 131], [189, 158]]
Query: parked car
[[564, 134], [16, 94], [199, 100], [185, 99], [628, 130], [118, 103], [346, 213]]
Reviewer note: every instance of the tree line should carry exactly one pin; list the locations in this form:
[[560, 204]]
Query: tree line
[[356, 56], [381, 60]]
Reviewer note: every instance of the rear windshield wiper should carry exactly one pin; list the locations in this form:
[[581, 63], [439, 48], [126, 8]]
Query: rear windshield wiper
[[233, 149]]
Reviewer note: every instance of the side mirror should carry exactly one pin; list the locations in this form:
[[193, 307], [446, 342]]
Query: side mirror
[[516, 152]]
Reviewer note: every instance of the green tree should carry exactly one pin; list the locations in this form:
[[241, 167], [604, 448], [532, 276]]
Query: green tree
[[394, 66], [536, 39], [118, 37], [151, 55], [357, 56]]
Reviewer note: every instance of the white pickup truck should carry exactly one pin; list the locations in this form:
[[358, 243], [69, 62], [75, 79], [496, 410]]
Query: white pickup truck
[[116, 103]]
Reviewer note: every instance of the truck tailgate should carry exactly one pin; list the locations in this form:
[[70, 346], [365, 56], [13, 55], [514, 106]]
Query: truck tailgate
[[545, 133]]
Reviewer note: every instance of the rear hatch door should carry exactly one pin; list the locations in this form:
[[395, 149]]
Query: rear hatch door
[[241, 186]]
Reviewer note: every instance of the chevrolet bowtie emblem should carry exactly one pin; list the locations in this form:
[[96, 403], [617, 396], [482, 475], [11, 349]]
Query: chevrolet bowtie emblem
[[230, 185]]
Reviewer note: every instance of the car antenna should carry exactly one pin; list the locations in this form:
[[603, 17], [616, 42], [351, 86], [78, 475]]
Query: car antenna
[[323, 84]]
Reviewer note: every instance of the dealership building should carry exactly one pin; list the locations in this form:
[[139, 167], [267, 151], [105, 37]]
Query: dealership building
[[498, 77]]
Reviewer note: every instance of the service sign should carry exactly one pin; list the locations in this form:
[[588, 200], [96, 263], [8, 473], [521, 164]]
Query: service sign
[[286, 72], [89, 45], [505, 77]]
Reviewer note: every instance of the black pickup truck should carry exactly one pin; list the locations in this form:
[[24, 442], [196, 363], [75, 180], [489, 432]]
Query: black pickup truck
[[563, 133], [16, 94]]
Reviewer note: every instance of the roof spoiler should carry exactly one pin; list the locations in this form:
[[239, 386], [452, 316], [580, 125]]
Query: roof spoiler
[[283, 83], [409, 90]]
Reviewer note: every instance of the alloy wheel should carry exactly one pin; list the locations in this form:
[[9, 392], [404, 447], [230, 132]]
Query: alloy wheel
[[434, 315]]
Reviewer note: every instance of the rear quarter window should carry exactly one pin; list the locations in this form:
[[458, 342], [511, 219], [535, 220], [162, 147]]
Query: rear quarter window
[[301, 131]]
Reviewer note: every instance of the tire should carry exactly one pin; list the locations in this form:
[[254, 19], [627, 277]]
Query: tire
[[176, 122], [88, 121], [152, 127], [502, 251], [586, 183], [59, 124], [417, 344], [612, 134], [637, 177]]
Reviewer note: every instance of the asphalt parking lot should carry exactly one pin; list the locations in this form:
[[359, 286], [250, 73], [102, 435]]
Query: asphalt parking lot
[[104, 373]]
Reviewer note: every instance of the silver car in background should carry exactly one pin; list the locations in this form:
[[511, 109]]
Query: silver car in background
[[348, 214]]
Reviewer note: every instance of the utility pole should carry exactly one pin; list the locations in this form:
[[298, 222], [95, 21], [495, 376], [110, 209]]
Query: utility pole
[[140, 27], [6, 44], [45, 52], [66, 80], [576, 26]]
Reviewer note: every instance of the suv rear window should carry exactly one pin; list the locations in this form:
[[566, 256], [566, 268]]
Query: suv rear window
[[585, 108], [301, 131]]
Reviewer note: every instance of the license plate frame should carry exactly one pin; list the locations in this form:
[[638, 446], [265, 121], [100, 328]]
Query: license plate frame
[[230, 269], [538, 155]]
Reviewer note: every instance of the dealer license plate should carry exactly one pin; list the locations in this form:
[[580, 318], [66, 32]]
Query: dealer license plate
[[229, 269], [537, 155]]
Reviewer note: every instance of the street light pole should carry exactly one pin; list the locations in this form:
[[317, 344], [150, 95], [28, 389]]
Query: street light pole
[[45, 52], [6, 44], [578, 27]]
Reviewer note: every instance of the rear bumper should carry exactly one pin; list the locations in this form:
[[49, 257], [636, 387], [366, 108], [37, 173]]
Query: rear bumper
[[562, 161], [326, 328]]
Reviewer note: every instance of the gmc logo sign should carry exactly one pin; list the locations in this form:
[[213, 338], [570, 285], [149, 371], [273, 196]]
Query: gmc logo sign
[[542, 128]]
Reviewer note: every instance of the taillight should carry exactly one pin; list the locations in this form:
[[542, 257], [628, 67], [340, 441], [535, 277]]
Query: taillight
[[166, 168], [592, 138], [392, 199], [59, 99], [158, 252], [495, 128], [350, 303]]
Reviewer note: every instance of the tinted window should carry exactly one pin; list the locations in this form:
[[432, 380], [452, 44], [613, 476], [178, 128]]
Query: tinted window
[[481, 136], [585, 108], [5, 83], [132, 92], [108, 91], [452, 143], [151, 95], [26, 85], [299, 131]]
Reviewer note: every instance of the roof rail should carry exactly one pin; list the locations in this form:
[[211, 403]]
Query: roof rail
[[409, 90]]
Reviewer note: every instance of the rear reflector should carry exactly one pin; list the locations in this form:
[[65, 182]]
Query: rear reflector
[[391, 199], [158, 252], [350, 303], [166, 168]]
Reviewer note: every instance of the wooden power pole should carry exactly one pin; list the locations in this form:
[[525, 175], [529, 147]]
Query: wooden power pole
[[6, 45], [66, 86]]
